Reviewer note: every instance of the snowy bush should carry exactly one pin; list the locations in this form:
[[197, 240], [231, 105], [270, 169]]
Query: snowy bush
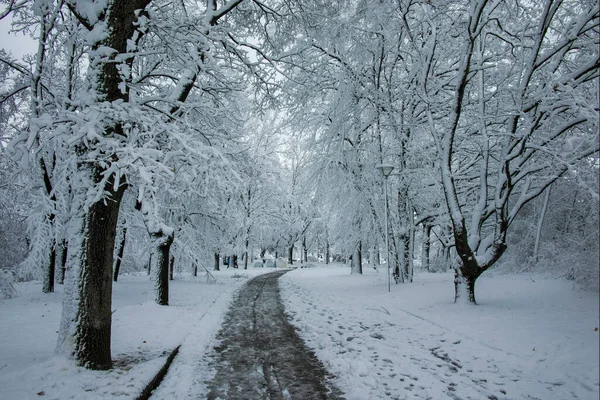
[[7, 290], [568, 244]]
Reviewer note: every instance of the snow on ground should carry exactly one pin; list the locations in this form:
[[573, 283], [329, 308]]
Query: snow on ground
[[143, 335], [527, 338]]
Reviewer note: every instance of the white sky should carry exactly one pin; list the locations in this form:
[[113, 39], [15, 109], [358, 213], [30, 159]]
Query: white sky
[[16, 44]]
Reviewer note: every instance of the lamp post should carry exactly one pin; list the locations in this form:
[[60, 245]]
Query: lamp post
[[386, 170]]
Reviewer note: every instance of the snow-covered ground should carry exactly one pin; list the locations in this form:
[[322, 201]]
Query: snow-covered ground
[[143, 335], [529, 337]]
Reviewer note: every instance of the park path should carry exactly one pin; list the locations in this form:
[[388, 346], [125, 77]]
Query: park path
[[261, 356]]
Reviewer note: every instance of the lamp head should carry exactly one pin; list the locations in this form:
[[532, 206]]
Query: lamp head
[[385, 169]]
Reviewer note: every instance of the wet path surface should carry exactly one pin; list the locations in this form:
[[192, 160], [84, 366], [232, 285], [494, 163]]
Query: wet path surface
[[261, 356]]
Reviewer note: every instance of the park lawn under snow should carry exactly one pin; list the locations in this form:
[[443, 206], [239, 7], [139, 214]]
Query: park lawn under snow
[[143, 335], [529, 338]]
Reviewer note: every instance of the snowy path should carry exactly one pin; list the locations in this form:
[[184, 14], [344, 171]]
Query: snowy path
[[260, 355]]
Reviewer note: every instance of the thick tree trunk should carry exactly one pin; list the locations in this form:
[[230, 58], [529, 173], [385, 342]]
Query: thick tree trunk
[[171, 267], [356, 262], [120, 254], [464, 287], [397, 267], [162, 248], [291, 255], [217, 262], [85, 330]]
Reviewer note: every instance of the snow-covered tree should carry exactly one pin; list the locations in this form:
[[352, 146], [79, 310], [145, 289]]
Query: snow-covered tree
[[511, 112]]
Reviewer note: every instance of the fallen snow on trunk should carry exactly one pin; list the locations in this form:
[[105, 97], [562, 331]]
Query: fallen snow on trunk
[[143, 333], [525, 340]]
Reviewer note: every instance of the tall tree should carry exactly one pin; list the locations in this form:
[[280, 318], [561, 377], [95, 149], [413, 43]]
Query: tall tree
[[520, 95]]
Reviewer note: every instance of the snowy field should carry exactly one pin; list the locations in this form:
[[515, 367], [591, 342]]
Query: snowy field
[[143, 335], [529, 337]]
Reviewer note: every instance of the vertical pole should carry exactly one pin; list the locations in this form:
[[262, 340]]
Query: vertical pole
[[387, 235]]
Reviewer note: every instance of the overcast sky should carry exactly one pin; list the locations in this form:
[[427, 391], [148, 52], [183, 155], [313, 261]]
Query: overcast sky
[[16, 44]]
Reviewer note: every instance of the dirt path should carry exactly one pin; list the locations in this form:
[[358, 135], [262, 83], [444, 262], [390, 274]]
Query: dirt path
[[261, 356]]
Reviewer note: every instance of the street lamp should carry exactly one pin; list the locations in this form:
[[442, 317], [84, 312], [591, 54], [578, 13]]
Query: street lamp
[[386, 170]]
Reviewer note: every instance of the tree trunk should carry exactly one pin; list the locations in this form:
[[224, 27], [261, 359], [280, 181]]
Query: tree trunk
[[85, 329], [327, 253], [217, 262], [405, 258], [464, 287], [356, 262], [304, 249], [538, 233], [291, 255], [120, 254], [48, 286], [246, 244], [150, 263], [171, 267], [425, 250], [162, 247], [397, 266], [62, 262]]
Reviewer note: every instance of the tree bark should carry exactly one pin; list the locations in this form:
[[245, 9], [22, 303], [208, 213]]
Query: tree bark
[[217, 262], [120, 254], [291, 255], [304, 249], [85, 330], [162, 247], [405, 257], [62, 262], [464, 287], [48, 286], [171, 267], [327, 253], [356, 262], [425, 250]]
